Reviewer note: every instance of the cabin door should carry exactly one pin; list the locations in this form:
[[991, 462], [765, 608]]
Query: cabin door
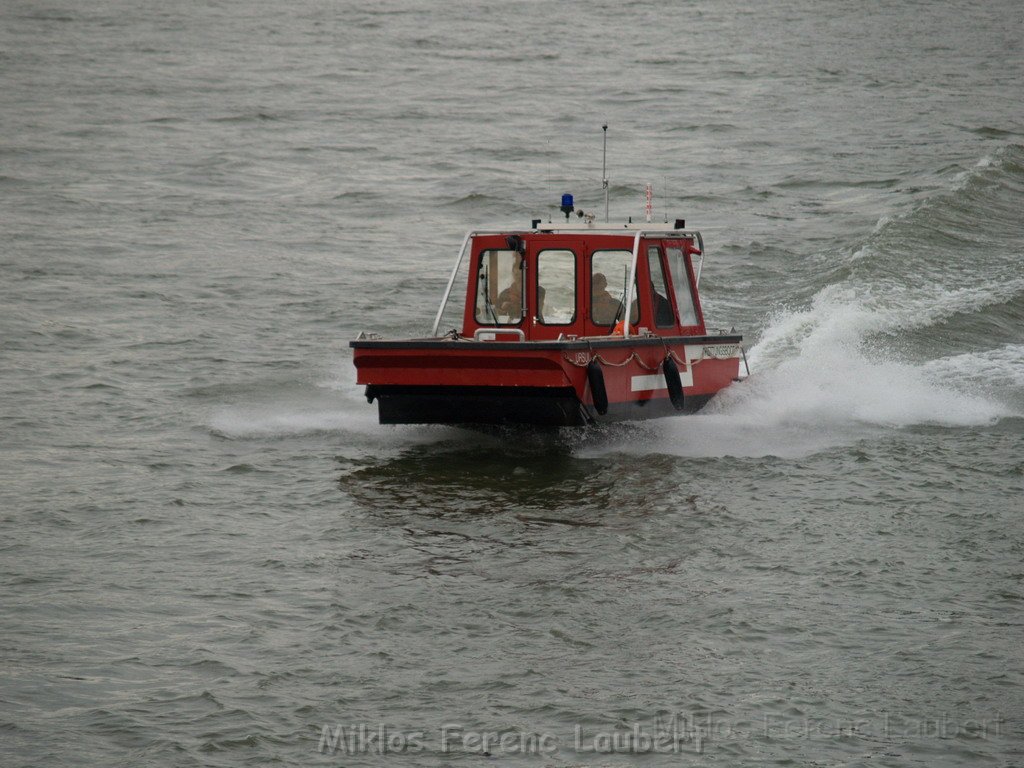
[[680, 268]]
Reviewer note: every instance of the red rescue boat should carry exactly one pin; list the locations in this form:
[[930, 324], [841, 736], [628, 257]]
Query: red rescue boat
[[544, 338]]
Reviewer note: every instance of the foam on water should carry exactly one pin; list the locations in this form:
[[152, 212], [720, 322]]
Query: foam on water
[[816, 401], [836, 377], [820, 381], [276, 420], [335, 405], [283, 419], [1000, 368], [849, 315], [825, 374]]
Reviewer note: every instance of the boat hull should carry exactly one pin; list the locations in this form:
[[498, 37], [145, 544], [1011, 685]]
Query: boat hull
[[551, 383]]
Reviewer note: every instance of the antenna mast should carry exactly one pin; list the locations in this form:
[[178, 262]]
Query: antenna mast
[[604, 171]]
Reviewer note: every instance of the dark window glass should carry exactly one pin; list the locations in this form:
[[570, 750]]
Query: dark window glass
[[664, 317]]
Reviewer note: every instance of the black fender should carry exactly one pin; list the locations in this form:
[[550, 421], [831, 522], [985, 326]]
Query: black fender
[[673, 382], [597, 389]]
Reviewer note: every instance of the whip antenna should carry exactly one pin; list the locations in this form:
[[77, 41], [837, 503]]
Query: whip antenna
[[665, 182], [604, 171]]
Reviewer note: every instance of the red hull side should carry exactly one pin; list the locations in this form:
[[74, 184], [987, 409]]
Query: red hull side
[[437, 381], [428, 365]]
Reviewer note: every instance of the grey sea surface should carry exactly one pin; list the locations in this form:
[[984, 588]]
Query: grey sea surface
[[212, 555]]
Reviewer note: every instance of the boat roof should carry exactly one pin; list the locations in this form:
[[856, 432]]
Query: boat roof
[[598, 228], [611, 229]]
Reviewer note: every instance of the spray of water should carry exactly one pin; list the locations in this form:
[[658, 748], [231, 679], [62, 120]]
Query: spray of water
[[820, 381]]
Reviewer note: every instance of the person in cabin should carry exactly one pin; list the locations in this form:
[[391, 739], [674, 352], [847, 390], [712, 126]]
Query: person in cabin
[[510, 300], [603, 306]]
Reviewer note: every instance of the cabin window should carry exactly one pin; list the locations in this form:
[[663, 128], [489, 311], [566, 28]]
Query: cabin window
[[609, 273], [681, 281], [499, 291], [556, 287], [664, 317]]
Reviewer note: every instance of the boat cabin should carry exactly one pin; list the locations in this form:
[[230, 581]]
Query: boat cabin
[[567, 282]]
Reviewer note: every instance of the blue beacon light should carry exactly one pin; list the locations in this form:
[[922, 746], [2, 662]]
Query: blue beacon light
[[567, 206]]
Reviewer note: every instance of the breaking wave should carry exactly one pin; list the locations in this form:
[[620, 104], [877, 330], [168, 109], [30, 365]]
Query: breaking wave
[[878, 349]]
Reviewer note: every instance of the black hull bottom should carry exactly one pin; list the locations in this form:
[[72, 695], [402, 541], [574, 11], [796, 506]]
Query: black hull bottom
[[539, 406]]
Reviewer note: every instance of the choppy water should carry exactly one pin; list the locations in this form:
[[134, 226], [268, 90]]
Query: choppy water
[[210, 551]]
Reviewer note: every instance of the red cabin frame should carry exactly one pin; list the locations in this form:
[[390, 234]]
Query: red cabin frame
[[584, 246]]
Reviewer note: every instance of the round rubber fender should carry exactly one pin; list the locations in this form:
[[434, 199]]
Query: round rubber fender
[[673, 382], [597, 389]]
